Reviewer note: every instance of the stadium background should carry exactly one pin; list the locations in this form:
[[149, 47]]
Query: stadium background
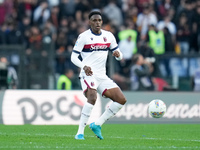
[[38, 44], [37, 37]]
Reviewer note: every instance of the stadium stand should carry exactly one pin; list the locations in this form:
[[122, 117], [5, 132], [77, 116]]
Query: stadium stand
[[46, 31]]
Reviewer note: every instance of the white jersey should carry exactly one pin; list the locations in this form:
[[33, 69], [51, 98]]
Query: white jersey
[[94, 49]]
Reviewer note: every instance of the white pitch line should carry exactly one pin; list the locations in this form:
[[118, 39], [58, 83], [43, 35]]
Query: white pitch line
[[111, 137], [100, 147], [132, 138]]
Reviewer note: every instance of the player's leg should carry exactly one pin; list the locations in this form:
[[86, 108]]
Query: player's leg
[[91, 95], [119, 100], [109, 89]]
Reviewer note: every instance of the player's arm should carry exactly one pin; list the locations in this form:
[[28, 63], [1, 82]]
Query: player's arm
[[115, 49], [117, 54], [75, 54], [78, 63], [77, 49], [75, 60]]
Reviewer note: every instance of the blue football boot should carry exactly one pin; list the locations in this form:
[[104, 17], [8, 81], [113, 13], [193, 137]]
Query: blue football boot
[[79, 137], [97, 130]]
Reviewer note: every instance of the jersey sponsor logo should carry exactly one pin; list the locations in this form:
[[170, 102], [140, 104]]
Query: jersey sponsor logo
[[97, 46]]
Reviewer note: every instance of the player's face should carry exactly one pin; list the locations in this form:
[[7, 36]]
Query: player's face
[[96, 23]]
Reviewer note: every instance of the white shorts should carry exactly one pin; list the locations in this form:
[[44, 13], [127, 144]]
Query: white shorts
[[100, 83]]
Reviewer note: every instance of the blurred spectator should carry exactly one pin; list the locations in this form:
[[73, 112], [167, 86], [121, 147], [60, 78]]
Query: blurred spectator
[[63, 25], [196, 80], [72, 32], [156, 40], [35, 39], [37, 23], [141, 74], [14, 35], [169, 41], [3, 75], [167, 23], [81, 10], [41, 13], [126, 46], [54, 16], [172, 14], [169, 49], [61, 42], [12, 77], [64, 82], [67, 8], [53, 3], [179, 66], [169, 30], [98, 3], [6, 9], [186, 8], [46, 36], [25, 28], [145, 19], [61, 46], [131, 13], [25, 8], [141, 3], [163, 7], [24, 25], [10, 34], [51, 29], [132, 33], [149, 55], [3, 33], [196, 28], [112, 11], [183, 34], [127, 6]]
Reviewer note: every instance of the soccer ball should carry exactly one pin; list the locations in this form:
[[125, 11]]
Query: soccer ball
[[157, 108]]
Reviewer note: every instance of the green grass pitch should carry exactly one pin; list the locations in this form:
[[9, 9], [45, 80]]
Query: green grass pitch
[[116, 137]]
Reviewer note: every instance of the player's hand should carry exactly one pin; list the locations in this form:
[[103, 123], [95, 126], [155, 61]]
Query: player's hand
[[116, 54], [88, 70]]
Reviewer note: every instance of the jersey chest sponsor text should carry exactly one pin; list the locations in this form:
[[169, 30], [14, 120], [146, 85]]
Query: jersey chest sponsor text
[[97, 46]]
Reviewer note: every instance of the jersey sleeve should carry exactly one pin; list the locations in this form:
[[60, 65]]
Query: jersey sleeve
[[80, 42], [113, 43], [78, 47]]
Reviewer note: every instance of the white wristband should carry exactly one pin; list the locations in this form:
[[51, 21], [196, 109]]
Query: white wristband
[[120, 56]]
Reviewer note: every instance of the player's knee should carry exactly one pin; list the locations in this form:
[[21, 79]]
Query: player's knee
[[123, 100], [92, 98], [120, 99], [92, 101]]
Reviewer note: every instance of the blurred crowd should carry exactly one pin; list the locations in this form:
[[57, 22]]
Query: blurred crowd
[[149, 27]]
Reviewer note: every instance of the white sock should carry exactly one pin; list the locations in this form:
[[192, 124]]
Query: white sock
[[85, 114], [109, 112]]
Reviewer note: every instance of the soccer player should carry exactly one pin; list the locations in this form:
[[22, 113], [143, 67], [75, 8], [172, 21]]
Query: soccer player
[[93, 46]]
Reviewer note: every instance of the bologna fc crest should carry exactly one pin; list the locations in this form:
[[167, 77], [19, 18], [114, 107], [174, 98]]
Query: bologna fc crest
[[105, 39], [92, 83]]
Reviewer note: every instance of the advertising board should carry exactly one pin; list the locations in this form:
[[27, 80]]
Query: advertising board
[[58, 107]]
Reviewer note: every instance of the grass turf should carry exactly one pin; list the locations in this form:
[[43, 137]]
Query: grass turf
[[116, 137]]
